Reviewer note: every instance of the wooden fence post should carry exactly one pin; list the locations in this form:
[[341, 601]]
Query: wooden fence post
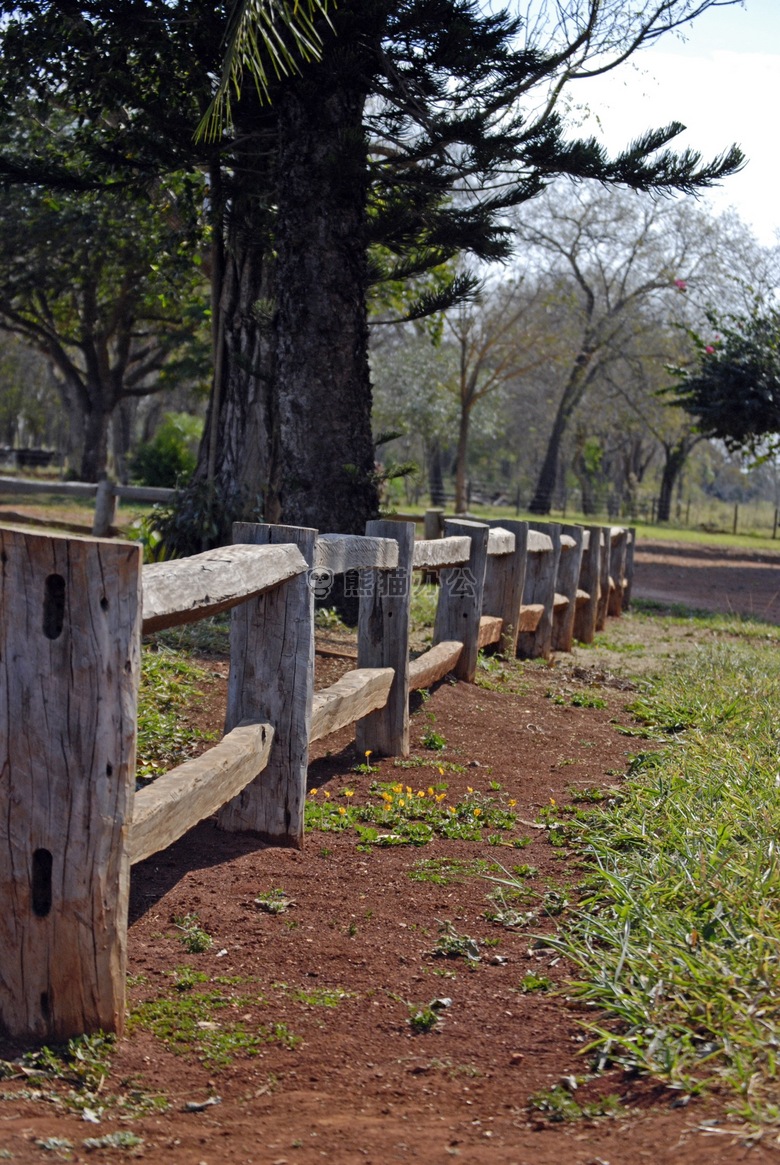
[[433, 522], [105, 509], [590, 574], [567, 580], [459, 608], [70, 634], [504, 582], [540, 588], [617, 571], [605, 539], [383, 641], [630, 548], [271, 679]]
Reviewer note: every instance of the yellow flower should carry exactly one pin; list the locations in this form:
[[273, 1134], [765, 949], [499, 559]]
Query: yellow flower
[[430, 790], [420, 793], [327, 794], [452, 809], [441, 796], [552, 801], [469, 789], [349, 792], [409, 790], [477, 812], [441, 771], [512, 804], [342, 811], [398, 788], [313, 792], [401, 802], [367, 753]]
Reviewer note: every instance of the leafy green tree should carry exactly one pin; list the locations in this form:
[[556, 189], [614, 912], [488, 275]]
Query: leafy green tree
[[109, 289], [731, 386]]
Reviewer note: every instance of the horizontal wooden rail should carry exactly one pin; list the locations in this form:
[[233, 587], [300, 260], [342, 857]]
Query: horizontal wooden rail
[[435, 553], [83, 489], [23, 485], [178, 800], [356, 694], [342, 552], [489, 630], [434, 665], [500, 541], [530, 616], [538, 543], [187, 589]]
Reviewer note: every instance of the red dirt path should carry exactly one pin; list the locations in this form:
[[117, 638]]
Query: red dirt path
[[360, 1086]]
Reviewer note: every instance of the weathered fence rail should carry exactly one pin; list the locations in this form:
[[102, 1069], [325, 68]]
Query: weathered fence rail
[[72, 612]]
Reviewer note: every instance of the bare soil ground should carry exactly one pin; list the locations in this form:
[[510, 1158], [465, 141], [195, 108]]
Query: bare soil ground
[[342, 965]]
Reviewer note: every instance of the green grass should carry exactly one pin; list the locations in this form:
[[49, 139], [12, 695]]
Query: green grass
[[397, 814], [168, 685], [677, 935]]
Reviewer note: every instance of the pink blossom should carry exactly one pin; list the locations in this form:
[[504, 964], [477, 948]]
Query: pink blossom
[[681, 284], [709, 349]]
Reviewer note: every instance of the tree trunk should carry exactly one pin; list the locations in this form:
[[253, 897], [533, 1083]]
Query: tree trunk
[[233, 479], [676, 456], [461, 463], [326, 451], [94, 457], [579, 378], [435, 473]]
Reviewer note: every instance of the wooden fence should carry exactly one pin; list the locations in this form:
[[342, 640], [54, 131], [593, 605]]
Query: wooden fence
[[71, 618]]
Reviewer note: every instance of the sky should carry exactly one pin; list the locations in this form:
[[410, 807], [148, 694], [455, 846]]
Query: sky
[[721, 79]]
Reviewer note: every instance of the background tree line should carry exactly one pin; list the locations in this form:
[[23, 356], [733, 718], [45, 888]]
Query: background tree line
[[354, 190]]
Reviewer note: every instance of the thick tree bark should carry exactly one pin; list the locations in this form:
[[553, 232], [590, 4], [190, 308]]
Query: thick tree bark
[[461, 463], [435, 473], [579, 379], [676, 456], [94, 457], [323, 391], [233, 479]]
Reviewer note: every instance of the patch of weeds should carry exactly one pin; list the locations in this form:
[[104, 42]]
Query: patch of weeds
[[559, 1104], [193, 937], [506, 913], [168, 684], [433, 741], [422, 1018], [554, 902], [201, 1023], [532, 983], [54, 1144], [592, 796], [426, 762], [316, 996], [400, 815], [364, 767], [328, 619], [122, 1139], [619, 648], [586, 700], [451, 945], [275, 901], [446, 871], [186, 978], [84, 1061], [577, 700]]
